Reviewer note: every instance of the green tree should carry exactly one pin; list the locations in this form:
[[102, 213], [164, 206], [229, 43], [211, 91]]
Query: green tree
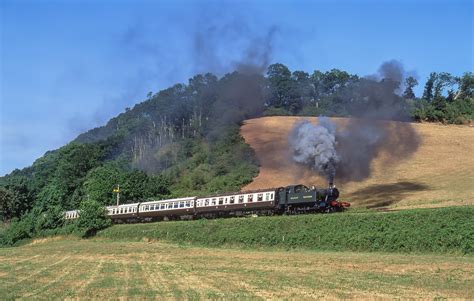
[[50, 195], [466, 86], [52, 218], [442, 81], [100, 182], [17, 197], [6, 204], [410, 83], [336, 79], [74, 163], [135, 186], [92, 218], [279, 77], [428, 92]]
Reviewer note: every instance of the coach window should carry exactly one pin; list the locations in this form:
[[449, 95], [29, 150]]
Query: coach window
[[260, 197], [241, 198], [181, 204], [221, 201], [232, 199], [214, 202], [271, 196], [250, 198]]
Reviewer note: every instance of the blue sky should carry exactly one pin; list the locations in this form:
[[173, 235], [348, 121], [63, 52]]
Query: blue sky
[[68, 66]]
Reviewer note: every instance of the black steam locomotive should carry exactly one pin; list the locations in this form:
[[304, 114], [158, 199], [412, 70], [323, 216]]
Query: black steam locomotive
[[294, 199]]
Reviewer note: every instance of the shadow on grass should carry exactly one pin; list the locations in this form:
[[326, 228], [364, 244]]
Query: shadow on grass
[[378, 196]]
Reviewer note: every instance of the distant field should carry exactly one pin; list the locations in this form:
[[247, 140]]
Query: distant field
[[440, 173], [85, 269]]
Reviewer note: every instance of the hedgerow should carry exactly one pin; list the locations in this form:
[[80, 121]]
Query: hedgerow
[[445, 230]]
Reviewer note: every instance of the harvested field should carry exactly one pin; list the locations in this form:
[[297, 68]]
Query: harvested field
[[104, 269], [439, 174]]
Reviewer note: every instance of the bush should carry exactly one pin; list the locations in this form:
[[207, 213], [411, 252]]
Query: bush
[[34, 223], [92, 218], [272, 111], [52, 218]]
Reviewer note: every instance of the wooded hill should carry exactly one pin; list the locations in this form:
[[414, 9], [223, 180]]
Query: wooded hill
[[185, 140]]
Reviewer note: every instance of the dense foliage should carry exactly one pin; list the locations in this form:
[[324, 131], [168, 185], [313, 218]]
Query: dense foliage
[[93, 217], [185, 140], [444, 230], [35, 223]]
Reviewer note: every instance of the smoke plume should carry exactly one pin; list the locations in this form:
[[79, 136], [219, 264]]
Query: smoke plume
[[316, 145], [371, 102]]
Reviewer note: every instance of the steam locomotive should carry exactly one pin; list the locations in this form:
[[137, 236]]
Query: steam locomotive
[[294, 199]]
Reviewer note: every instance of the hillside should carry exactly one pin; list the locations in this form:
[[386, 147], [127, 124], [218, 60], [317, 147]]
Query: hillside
[[440, 173], [184, 140]]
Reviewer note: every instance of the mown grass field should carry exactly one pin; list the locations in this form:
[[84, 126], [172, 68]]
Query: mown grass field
[[105, 269], [439, 174]]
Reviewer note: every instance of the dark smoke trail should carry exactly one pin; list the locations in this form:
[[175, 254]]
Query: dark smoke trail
[[367, 134]]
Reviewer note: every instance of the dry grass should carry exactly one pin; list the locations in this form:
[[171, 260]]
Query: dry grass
[[116, 270], [440, 173]]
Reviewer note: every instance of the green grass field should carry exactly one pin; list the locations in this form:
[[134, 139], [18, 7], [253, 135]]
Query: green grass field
[[106, 269]]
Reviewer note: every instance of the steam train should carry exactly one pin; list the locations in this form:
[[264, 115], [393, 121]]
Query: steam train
[[294, 199]]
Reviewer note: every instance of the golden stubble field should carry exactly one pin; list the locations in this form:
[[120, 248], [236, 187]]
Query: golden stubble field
[[440, 173], [100, 269]]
